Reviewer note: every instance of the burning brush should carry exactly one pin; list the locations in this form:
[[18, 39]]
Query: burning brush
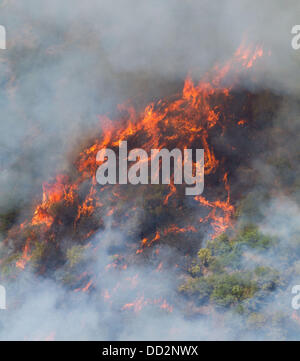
[[214, 115], [190, 120]]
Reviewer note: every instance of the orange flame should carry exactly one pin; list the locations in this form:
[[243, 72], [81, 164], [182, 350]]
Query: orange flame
[[183, 122]]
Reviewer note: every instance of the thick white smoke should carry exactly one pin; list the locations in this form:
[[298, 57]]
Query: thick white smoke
[[66, 63]]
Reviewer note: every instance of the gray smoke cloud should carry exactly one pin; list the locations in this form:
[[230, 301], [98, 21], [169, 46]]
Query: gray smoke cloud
[[123, 305], [66, 63]]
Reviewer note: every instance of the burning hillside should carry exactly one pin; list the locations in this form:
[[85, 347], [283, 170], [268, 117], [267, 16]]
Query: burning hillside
[[74, 205], [74, 209], [124, 261]]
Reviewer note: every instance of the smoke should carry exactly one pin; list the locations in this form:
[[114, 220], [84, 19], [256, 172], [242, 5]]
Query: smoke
[[122, 305], [132, 304], [68, 62]]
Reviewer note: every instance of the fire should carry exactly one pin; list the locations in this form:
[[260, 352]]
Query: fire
[[221, 211], [184, 121], [247, 57], [25, 257], [87, 287], [146, 243], [175, 229], [166, 306], [52, 194], [137, 305], [141, 302]]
